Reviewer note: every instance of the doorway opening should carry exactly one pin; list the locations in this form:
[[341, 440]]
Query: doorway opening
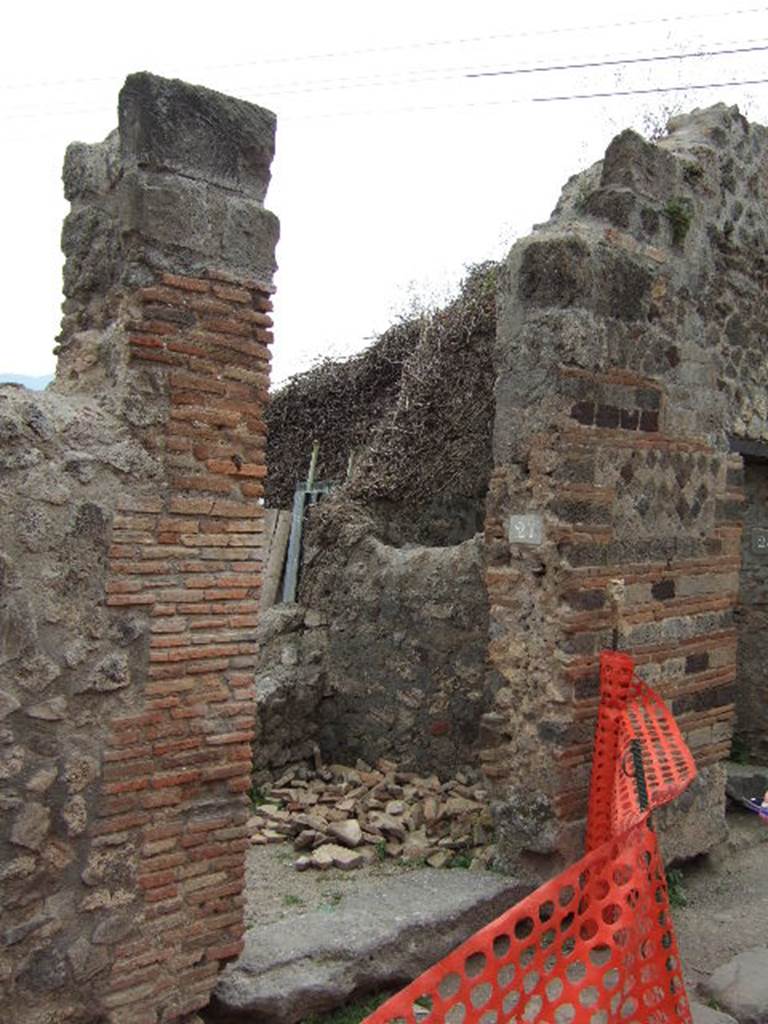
[[751, 729]]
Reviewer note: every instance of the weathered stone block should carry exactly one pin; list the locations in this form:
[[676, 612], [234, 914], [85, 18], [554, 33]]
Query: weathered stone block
[[31, 826], [170, 126], [556, 272]]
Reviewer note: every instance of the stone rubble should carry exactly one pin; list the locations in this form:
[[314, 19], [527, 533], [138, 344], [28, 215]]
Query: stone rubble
[[344, 817]]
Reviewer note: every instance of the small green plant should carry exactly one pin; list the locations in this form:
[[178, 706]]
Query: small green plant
[[461, 860], [676, 888], [291, 900], [381, 850], [352, 1013], [584, 189], [739, 750], [679, 214], [692, 173], [714, 1005], [258, 797], [332, 899]]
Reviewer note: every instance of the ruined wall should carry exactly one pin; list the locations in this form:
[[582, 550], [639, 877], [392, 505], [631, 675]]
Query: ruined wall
[[129, 572], [391, 654], [630, 350]]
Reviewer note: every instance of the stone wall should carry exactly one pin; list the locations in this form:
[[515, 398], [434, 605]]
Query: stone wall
[[630, 353], [130, 567]]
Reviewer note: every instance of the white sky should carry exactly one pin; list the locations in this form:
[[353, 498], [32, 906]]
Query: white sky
[[393, 171]]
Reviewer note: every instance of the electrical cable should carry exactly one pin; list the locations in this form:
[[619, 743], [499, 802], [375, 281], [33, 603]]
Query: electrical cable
[[617, 62], [261, 91], [530, 99], [427, 44]]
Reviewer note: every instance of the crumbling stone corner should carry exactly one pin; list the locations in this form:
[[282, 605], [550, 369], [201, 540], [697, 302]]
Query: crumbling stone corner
[[629, 361], [130, 571]]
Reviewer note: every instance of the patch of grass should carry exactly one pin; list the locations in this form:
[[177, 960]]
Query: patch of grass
[[739, 751], [584, 190], [257, 796], [714, 1005], [291, 900], [352, 1013], [679, 214], [676, 888], [381, 850], [460, 860], [331, 900], [692, 173]]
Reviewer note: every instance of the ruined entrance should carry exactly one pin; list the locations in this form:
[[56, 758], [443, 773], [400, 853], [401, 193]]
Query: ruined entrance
[[751, 732]]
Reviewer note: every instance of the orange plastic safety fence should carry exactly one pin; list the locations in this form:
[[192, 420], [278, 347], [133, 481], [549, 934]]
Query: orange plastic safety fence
[[655, 765], [617, 685], [596, 944], [593, 945]]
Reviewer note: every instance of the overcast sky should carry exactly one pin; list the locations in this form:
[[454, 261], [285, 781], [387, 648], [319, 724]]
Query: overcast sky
[[396, 166]]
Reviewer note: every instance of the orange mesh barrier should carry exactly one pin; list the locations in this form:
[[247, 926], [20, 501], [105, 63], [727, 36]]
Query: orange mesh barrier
[[596, 944], [616, 687], [654, 766]]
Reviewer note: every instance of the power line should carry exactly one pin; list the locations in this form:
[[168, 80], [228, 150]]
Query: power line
[[428, 75], [345, 84], [531, 99], [401, 47], [428, 44], [643, 92], [515, 101], [616, 63]]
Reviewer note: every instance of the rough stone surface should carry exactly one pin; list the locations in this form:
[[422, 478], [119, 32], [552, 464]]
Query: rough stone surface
[[348, 833], [740, 986], [628, 365], [312, 963], [395, 664], [747, 781], [696, 820], [703, 1014], [168, 125], [289, 688], [406, 674]]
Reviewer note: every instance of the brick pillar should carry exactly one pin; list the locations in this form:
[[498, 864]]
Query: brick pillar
[[177, 771], [126, 887]]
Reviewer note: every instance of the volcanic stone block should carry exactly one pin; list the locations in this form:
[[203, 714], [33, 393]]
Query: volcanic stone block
[[740, 986], [168, 125], [300, 966]]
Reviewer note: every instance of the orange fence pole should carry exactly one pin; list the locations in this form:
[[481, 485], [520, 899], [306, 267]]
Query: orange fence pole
[[616, 687]]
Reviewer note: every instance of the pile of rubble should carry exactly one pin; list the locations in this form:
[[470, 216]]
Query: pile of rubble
[[338, 816]]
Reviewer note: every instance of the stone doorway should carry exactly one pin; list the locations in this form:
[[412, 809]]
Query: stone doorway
[[751, 731]]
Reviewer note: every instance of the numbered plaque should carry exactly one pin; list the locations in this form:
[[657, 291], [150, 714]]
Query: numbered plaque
[[526, 529], [760, 540]]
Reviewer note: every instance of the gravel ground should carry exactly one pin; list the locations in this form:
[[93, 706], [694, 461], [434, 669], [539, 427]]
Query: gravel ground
[[276, 889], [727, 894]]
